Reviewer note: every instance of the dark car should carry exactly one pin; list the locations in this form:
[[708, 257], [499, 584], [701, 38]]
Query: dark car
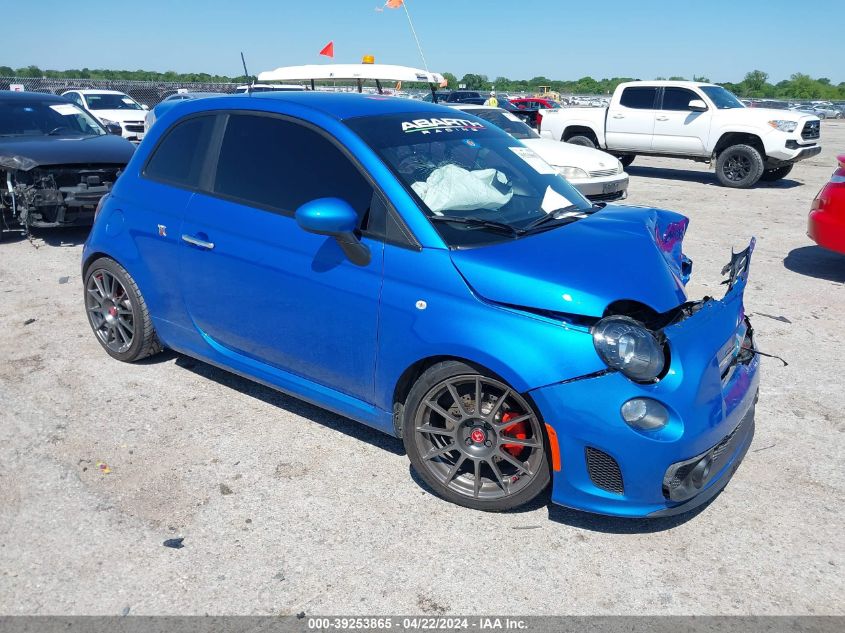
[[457, 96], [56, 161]]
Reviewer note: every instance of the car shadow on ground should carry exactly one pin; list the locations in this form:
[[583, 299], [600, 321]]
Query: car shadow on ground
[[586, 520], [815, 261], [702, 177], [353, 429], [65, 236]]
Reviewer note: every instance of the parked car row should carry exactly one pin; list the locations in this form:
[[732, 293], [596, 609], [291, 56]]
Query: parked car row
[[420, 241]]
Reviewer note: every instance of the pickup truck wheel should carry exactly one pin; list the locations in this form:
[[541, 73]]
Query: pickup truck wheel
[[770, 175], [584, 141], [739, 166], [626, 159]]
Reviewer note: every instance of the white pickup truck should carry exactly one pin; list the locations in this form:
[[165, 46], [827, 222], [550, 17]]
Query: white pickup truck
[[685, 119]]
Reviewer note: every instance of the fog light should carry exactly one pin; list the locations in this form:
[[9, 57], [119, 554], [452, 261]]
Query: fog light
[[701, 471], [645, 414]]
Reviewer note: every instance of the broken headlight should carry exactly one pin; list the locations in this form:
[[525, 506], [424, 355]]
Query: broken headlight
[[626, 345]]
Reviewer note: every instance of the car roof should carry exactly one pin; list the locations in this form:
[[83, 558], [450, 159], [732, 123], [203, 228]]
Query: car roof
[[666, 82], [91, 91], [9, 95], [337, 105]]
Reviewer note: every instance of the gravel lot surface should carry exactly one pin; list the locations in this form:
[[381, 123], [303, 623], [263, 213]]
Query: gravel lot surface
[[285, 508]]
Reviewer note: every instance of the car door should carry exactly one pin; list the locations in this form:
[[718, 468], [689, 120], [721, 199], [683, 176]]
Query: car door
[[677, 128], [258, 286], [630, 121]]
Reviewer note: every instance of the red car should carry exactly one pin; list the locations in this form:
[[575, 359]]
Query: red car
[[826, 225], [535, 103]]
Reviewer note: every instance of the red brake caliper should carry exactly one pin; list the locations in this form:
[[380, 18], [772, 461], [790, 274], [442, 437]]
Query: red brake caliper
[[518, 431]]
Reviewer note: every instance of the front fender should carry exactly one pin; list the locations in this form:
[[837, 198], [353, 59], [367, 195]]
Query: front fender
[[427, 310]]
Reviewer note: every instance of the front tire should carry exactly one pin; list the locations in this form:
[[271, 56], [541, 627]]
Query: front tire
[[584, 141], [770, 175], [117, 312], [491, 457], [739, 166], [626, 159]]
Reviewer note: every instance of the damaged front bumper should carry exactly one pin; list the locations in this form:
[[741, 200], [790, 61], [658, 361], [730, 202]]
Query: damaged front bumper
[[53, 196], [709, 390]]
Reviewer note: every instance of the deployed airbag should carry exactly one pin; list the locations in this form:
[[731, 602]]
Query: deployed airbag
[[453, 188]]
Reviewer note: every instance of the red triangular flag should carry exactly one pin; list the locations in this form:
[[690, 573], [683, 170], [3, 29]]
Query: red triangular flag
[[328, 50]]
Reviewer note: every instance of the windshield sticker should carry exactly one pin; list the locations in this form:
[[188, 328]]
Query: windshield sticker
[[64, 109], [440, 125], [470, 142], [552, 201], [536, 163], [511, 117]]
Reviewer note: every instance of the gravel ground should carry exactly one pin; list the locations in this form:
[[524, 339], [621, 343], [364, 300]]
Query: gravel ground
[[285, 508]]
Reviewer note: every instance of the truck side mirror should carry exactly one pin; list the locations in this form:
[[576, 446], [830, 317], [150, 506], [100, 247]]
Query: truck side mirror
[[697, 105]]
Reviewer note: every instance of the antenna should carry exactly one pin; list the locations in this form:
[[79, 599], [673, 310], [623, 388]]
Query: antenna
[[247, 75]]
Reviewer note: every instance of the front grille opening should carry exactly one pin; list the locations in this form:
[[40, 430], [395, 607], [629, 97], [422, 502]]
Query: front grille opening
[[812, 130], [604, 471]]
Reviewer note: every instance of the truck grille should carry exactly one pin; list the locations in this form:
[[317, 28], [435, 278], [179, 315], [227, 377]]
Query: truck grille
[[134, 127], [603, 470], [812, 130]]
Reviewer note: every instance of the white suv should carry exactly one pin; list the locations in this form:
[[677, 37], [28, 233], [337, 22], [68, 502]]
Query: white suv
[[112, 107]]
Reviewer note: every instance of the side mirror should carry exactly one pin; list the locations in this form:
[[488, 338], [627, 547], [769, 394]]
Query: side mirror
[[144, 106], [335, 218], [114, 128], [697, 105]]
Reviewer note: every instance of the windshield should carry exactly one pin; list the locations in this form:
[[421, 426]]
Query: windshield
[[506, 121], [477, 184], [721, 98], [109, 101], [39, 118]]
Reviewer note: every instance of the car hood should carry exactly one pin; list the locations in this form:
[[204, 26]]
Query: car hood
[[120, 116], [568, 155], [57, 150], [617, 253], [766, 114]]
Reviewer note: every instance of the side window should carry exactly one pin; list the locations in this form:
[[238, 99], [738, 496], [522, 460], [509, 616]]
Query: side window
[[678, 99], [280, 165], [638, 97], [76, 98], [178, 159]]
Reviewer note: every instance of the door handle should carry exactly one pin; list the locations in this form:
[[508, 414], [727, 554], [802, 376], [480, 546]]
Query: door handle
[[663, 118], [190, 239], [618, 116]]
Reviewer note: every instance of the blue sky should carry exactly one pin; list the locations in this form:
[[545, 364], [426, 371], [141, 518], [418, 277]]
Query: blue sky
[[560, 39]]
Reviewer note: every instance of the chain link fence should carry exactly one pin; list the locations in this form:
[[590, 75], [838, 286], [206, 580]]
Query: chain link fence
[[149, 93]]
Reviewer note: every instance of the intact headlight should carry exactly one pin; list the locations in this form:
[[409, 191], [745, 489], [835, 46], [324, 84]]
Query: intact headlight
[[572, 172], [783, 125], [110, 122], [626, 345]]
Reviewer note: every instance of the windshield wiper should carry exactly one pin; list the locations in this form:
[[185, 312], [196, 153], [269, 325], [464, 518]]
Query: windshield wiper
[[554, 216], [481, 223]]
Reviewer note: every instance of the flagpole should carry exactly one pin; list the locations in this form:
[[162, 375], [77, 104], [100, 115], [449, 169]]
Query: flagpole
[[414, 32]]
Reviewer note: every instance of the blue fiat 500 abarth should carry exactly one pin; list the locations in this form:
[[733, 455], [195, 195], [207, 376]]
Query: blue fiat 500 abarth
[[422, 272]]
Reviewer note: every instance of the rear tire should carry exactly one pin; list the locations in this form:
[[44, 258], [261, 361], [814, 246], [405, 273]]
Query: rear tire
[[584, 141], [493, 457], [117, 313], [770, 175], [739, 166]]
